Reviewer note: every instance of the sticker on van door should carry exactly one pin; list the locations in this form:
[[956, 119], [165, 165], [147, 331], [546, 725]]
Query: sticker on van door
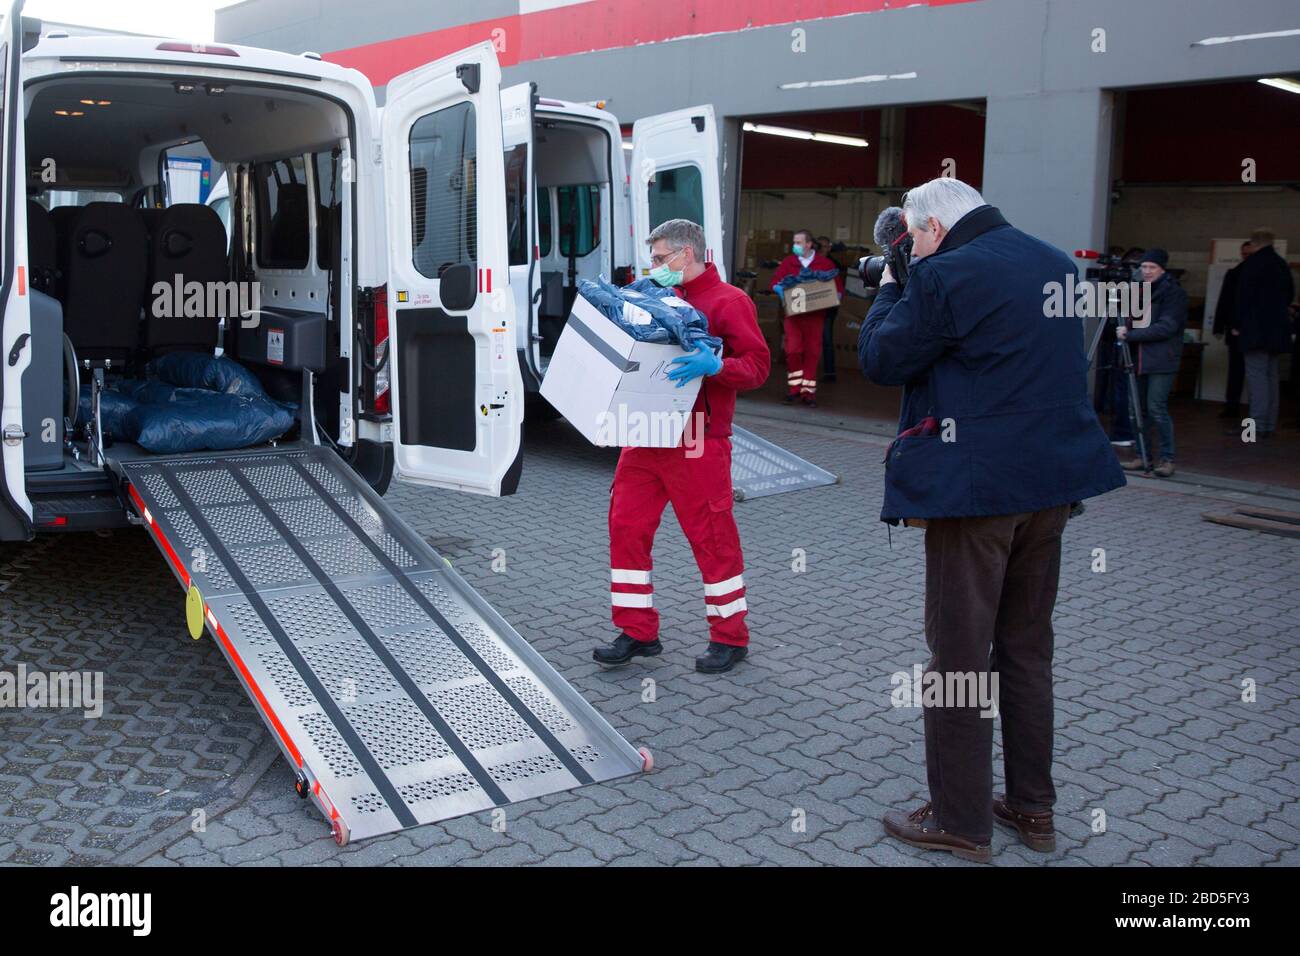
[[275, 346]]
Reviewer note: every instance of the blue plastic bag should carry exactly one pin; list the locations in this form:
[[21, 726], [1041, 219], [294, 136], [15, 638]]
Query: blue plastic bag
[[215, 422], [650, 313], [201, 370]]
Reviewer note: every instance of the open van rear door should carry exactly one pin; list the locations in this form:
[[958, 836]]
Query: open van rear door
[[675, 175], [15, 306], [458, 399]]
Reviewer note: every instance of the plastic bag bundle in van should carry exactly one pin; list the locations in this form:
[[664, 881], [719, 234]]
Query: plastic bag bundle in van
[[229, 410], [805, 275], [650, 313], [205, 370]]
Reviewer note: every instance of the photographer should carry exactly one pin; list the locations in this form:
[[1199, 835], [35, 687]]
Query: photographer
[[1159, 348], [996, 438]]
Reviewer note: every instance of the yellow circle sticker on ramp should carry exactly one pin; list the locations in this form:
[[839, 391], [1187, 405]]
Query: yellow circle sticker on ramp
[[194, 612]]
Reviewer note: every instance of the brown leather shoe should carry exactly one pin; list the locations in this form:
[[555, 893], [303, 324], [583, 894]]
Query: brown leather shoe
[[918, 829], [1036, 829]]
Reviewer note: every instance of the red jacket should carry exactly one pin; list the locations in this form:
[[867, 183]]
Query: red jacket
[[746, 359], [791, 266]]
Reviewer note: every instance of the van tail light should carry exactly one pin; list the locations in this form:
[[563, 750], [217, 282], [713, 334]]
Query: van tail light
[[383, 396]]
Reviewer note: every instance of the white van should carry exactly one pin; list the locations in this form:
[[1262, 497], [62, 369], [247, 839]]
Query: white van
[[415, 264], [404, 285]]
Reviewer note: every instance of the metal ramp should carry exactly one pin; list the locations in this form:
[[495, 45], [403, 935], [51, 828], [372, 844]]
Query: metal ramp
[[396, 693], [760, 468]]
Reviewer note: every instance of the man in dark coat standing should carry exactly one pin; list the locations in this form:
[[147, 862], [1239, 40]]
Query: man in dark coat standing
[[1224, 323], [1265, 289], [997, 438]]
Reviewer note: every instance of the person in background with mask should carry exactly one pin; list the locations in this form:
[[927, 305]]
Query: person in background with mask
[[696, 475], [802, 340]]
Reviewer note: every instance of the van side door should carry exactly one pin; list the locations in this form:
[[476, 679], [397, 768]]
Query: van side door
[[458, 398]]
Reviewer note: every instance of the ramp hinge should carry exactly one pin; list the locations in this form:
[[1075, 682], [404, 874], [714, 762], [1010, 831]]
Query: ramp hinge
[[14, 434]]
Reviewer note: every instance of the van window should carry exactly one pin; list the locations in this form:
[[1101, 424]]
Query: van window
[[444, 163], [329, 201], [544, 221], [283, 224], [517, 203], [579, 219], [677, 194], [54, 198]]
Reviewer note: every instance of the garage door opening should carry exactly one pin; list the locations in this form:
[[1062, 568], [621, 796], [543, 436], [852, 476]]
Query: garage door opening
[[832, 173], [1194, 170]]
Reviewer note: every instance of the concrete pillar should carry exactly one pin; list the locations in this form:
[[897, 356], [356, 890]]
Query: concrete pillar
[[1047, 164], [730, 136]]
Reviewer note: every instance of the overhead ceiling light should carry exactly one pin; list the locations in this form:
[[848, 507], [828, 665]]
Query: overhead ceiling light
[[1244, 37], [184, 88], [1281, 82], [87, 102], [806, 134], [103, 102], [60, 112]]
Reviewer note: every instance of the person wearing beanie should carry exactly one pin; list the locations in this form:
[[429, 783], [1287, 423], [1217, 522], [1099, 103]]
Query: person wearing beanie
[[1159, 348]]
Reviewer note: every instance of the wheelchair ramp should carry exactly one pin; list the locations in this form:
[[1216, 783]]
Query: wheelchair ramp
[[760, 468], [398, 695]]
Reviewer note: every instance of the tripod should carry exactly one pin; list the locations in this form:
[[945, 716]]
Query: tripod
[[1134, 398]]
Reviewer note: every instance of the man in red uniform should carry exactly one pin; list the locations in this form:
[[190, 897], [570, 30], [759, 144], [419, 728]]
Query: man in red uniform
[[695, 476], [802, 341]]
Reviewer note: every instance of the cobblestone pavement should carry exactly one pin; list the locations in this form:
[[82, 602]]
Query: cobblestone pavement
[[1152, 730]]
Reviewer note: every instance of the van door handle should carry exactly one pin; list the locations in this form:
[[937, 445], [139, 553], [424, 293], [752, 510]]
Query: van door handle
[[17, 350]]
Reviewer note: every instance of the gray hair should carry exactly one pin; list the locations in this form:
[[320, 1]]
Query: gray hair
[[945, 199], [680, 233]]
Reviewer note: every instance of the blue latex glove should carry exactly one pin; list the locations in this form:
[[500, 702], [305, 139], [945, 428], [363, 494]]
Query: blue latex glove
[[690, 367]]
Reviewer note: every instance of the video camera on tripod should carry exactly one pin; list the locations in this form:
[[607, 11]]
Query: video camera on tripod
[[1110, 272]]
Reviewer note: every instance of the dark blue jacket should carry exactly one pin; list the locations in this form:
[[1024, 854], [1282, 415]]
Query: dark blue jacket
[[1160, 344], [969, 341], [1265, 289]]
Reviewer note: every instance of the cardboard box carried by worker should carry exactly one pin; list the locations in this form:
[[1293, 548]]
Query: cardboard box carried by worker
[[614, 388], [810, 297]]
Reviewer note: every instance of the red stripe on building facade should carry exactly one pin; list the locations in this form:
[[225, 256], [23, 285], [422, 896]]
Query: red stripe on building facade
[[597, 25]]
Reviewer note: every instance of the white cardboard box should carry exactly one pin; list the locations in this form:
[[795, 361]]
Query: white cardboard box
[[614, 388]]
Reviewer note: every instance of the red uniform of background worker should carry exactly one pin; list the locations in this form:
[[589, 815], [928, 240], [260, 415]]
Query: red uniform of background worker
[[802, 339]]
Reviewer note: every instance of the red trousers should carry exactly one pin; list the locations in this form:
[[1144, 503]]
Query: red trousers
[[699, 488], [802, 343]]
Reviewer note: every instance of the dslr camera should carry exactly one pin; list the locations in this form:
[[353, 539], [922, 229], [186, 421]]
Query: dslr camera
[[895, 242]]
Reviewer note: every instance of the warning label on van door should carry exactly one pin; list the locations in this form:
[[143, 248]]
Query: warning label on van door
[[275, 346]]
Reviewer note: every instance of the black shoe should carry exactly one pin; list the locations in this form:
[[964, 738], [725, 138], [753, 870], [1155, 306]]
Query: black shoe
[[623, 649], [788, 400], [809, 401], [720, 658]]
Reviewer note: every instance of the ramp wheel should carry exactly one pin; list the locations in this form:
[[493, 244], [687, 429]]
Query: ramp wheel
[[300, 785], [339, 829], [647, 759], [738, 494]]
